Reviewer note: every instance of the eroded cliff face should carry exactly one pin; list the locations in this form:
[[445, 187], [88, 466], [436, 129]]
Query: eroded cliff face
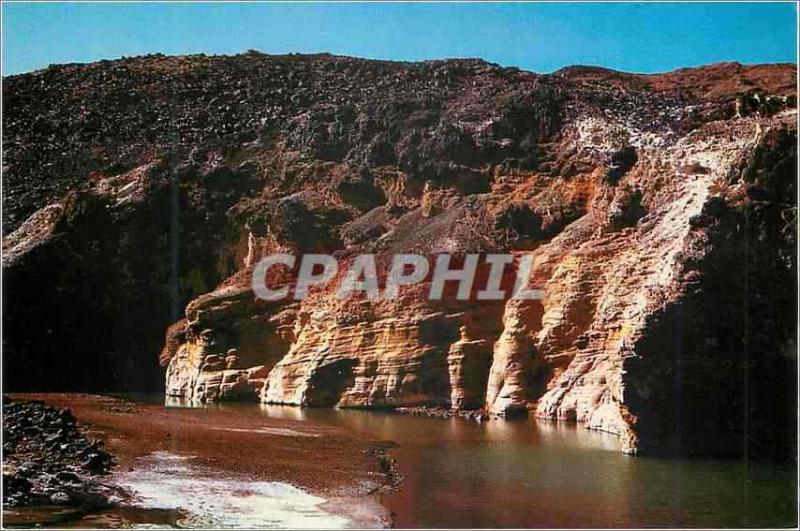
[[660, 210]]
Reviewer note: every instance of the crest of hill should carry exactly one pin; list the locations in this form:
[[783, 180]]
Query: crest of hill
[[707, 82]]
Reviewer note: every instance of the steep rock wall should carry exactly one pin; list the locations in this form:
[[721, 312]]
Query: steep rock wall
[[638, 196]]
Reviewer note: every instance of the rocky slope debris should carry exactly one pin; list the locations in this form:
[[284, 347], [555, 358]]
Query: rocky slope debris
[[661, 211], [47, 459]]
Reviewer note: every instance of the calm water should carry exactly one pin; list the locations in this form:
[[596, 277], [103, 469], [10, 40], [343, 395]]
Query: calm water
[[525, 474], [540, 474]]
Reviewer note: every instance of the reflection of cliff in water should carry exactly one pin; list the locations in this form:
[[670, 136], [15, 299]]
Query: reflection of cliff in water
[[530, 473]]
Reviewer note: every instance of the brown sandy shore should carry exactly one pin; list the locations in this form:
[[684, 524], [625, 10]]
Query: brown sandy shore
[[325, 461]]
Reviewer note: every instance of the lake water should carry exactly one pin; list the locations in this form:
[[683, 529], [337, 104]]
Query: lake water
[[530, 473], [459, 473]]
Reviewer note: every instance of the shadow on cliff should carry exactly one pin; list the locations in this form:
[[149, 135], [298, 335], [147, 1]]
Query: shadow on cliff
[[716, 372], [85, 309]]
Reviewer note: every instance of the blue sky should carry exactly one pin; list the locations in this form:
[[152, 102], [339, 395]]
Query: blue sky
[[539, 37]]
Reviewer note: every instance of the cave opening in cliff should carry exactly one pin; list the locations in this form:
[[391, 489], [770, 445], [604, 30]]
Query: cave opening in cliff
[[329, 382]]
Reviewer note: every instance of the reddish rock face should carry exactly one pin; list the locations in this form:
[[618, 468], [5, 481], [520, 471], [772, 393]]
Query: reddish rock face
[[660, 209]]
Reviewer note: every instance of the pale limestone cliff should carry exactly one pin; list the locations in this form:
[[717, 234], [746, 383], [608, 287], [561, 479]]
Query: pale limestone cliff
[[605, 275]]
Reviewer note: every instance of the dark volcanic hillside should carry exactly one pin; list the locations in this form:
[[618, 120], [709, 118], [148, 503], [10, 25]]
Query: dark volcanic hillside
[[661, 210], [67, 122]]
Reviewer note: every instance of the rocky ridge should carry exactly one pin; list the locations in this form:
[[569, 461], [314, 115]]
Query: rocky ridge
[[661, 210]]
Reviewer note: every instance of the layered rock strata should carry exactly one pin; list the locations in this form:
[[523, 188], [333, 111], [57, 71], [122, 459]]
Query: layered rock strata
[[660, 210]]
